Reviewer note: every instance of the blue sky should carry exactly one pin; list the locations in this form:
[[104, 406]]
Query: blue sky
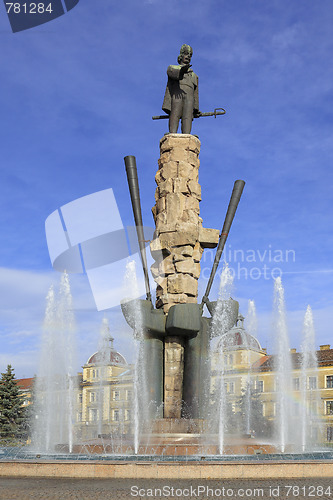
[[77, 95]]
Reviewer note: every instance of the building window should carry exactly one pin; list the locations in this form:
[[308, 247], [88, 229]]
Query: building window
[[329, 433], [94, 415], [296, 409], [228, 359], [264, 409], [260, 385], [231, 388], [79, 398], [296, 384], [93, 397], [116, 415], [312, 383], [313, 408], [329, 407], [116, 396], [127, 414], [129, 395], [329, 382]]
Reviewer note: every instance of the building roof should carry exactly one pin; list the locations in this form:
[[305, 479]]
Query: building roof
[[25, 383], [238, 338], [266, 363], [107, 357]]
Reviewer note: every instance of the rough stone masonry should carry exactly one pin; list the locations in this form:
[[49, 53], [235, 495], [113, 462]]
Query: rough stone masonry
[[177, 247]]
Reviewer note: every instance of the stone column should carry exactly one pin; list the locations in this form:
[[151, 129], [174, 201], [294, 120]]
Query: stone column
[[177, 247]]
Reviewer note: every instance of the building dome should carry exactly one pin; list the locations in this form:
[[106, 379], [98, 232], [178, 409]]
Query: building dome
[[107, 355], [111, 357], [238, 338]]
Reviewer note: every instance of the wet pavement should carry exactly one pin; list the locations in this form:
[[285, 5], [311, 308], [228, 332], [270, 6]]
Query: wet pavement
[[107, 489]]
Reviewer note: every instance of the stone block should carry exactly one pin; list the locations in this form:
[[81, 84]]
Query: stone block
[[164, 224], [158, 177], [197, 269], [192, 203], [180, 185], [208, 238], [154, 268], [168, 142], [182, 283], [188, 228], [169, 169], [178, 154], [181, 253], [174, 204], [165, 187], [193, 159], [176, 298], [153, 211], [165, 157], [190, 216], [187, 171], [160, 204], [192, 299], [194, 144], [162, 282], [167, 266], [186, 141], [197, 252], [157, 251], [172, 239], [195, 189], [185, 266]]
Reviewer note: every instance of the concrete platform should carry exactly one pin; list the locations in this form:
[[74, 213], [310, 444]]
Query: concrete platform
[[167, 470]]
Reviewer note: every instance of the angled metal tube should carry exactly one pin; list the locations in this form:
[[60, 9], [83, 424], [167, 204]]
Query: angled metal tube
[[133, 184], [233, 204]]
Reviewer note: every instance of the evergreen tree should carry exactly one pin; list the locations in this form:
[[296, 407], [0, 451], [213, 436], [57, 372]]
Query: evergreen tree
[[12, 414], [250, 407]]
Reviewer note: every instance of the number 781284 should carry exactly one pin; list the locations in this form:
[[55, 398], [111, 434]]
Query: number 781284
[[28, 8]]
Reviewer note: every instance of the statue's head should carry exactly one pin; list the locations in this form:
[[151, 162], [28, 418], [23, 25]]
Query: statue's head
[[185, 54]]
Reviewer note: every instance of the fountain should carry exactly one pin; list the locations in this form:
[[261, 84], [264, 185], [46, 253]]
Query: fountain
[[179, 350], [282, 367], [310, 399], [55, 387], [194, 361]]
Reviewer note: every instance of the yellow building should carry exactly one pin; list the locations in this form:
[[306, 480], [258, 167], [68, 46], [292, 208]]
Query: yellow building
[[245, 362], [105, 395]]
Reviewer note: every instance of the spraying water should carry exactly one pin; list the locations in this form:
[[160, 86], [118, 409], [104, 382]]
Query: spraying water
[[251, 318], [282, 366], [55, 386], [310, 399], [140, 399], [103, 361], [219, 322], [252, 326]]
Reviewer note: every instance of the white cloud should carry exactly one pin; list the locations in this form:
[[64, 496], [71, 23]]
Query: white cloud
[[22, 312]]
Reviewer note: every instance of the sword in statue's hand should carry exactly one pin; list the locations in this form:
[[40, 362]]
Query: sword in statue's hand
[[215, 113]]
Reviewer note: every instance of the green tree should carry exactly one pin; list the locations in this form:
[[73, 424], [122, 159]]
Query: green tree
[[12, 414], [249, 410]]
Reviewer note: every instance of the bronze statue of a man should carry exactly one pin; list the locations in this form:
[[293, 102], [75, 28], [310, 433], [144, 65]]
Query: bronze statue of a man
[[181, 98]]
